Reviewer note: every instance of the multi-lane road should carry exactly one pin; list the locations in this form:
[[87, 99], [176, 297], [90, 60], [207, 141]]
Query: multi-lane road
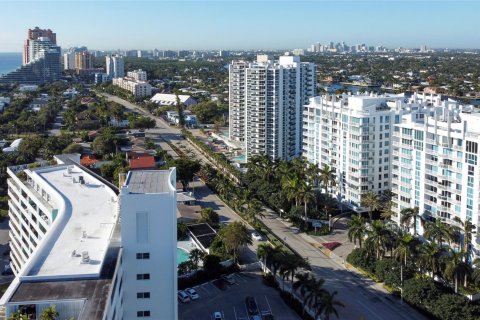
[[363, 298]]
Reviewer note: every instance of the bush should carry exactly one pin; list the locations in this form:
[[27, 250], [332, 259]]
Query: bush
[[421, 293], [361, 258], [295, 304], [270, 281], [453, 307]]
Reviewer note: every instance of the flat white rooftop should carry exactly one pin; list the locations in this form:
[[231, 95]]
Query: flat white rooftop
[[86, 225]]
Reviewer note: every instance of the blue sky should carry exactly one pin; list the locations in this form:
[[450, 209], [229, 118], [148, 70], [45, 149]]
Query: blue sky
[[251, 24]]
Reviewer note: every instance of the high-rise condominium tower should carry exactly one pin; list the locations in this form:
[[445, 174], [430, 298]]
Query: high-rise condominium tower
[[115, 66], [266, 99], [34, 34]]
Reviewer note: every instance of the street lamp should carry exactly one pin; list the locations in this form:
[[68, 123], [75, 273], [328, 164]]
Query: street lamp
[[329, 225], [281, 211]]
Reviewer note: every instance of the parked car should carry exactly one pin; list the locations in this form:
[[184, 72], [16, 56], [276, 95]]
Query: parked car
[[192, 293], [183, 297], [228, 278], [217, 315], [251, 305], [256, 236]]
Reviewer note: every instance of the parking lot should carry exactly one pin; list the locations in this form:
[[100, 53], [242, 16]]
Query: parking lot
[[231, 301]]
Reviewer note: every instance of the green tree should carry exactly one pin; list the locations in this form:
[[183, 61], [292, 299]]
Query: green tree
[[327, 177], [430, 258], [405, 247], [370, 200], [179, 106], [254, 210], [457, 269], [49, 313], [235, 236], [439, 232], [377, 237], [18, 316], [357, 229], [406, 217], [186, 170], [209, 216], [467, 229], [329, 305], [73, 148], [211, 265], [196, 255]]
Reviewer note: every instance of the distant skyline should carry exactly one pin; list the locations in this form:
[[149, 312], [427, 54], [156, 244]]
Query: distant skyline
[[242, 25]]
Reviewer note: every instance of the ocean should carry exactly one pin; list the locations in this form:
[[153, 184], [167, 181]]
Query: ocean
[[9, 61]]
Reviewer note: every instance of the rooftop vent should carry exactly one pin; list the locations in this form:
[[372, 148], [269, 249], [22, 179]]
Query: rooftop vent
[[85, 257]]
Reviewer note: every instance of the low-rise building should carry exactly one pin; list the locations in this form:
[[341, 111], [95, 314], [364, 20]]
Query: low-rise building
[[137, 88], [168, 99]]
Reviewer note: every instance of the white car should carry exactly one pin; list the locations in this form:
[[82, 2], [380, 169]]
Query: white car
[[256, 236], [217, 315], [192, 293], [183, 297]]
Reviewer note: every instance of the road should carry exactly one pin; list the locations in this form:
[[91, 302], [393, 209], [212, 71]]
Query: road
[[363, 298]]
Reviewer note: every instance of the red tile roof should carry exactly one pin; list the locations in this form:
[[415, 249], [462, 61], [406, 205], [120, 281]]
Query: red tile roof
[[143, 162], [88, 160]]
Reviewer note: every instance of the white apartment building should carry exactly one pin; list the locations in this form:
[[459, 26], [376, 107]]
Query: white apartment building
[[265, 102], [352, 135], [67, 248], [435, 163], [148, 202], [138, 75], [115, 66], [137, 88], [69, 60]]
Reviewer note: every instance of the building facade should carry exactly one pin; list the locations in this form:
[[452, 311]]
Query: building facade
[[148, 201], [265, 103], [70, 249], [32, 35], [137, 75], [352, 135], [137, 88], [435, 164], [115, 66], [83, 61]]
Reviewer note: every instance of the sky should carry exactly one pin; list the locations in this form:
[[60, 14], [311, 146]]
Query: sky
[[251, 24]]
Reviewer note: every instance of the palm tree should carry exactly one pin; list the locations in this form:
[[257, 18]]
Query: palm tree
[[406, 217], [290, 263], [430, 258], [291, 188], [306, 194], [405, 247], [456, 268], [370, 200], [357, 229], [439, 232], [327, 177], [254, 210], [312, 171], [377, 236], [196, 255], [386, 212], [328, 305], [468, 228], [265, 251]]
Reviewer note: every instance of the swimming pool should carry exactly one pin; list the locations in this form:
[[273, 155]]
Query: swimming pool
[[239, 158], [182, 256]]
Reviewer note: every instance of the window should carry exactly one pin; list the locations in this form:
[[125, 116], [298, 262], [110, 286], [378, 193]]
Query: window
[[143, 276], [143, 255], [143, 295], [143, 314], [142, 227]]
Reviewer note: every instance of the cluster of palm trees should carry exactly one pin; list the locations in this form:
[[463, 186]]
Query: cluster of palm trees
[[297, 181], [289, 267], [431, 254]]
